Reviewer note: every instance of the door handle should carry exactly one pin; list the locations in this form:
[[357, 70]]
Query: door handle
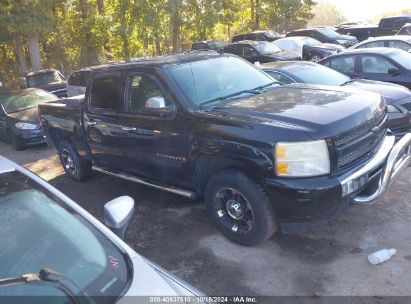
[[90, 123], [128, 128]]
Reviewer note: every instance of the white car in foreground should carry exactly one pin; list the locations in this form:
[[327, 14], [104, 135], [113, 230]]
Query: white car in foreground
[[51, 247]]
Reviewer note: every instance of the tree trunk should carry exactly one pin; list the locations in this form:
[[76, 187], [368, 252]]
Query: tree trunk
[[19, 51], [34, 51], [252, 8], [175, 24], [257, 14]]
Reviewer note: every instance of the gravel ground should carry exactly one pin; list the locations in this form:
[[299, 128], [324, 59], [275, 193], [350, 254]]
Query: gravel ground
[[177, 234]]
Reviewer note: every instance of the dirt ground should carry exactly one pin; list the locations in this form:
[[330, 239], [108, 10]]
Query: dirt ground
[[177, 234]]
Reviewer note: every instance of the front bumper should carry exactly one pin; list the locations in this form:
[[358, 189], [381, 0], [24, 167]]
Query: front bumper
[[30, 137], [301, 203]]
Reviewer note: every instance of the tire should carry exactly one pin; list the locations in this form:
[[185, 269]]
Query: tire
[[240, 208], [75, 166], [16, 143], [316, 58]]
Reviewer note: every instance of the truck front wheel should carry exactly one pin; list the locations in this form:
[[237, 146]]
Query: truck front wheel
[[240, 208], [75, 166]]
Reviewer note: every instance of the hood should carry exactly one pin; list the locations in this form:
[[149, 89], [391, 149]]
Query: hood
[[150, 281], [320, 111], [52, 86], [390, 92], [29, 115], [282, 56], [329, 46]]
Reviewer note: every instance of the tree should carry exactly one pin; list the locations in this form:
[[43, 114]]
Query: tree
[[326, 14]]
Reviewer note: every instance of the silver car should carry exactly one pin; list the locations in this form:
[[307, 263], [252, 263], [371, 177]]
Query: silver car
[[50, 246]]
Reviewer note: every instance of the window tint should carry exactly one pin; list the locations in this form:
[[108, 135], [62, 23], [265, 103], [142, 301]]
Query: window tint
[[375, 64], [234, 49], [248, 52], [343, 64], [74, 79], [387, 23], [140, 89], [399, 45], [373, 44], [106, 93]]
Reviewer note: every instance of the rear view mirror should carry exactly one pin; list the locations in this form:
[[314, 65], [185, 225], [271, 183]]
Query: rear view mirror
[[394, 71], [118, 213]]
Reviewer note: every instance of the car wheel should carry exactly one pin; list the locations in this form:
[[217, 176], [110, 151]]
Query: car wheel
[[75, 166], [240, 208], [316, 58], [16, 142]]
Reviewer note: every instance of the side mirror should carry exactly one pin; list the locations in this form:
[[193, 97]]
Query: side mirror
[[118, 213], [157, 106], [394, 71]]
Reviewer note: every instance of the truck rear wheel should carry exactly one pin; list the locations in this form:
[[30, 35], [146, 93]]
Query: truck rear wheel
[[75, 166], [240, 208]]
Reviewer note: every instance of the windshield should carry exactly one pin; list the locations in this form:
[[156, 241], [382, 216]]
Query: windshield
[[311, 42], [25, 100], [271, 34], [43, 78], [205, 80], [38, 230], [318, 74], [402, 57], [266, 48], [329, 33]]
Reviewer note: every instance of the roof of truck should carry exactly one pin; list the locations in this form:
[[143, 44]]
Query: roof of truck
[[188, 56]]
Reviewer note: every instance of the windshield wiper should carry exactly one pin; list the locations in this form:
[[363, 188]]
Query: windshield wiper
[[264, 86], [48, 276], [230, 95], [348, 81]]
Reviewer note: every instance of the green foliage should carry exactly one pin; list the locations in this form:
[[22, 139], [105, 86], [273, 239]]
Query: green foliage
[[75, 33]]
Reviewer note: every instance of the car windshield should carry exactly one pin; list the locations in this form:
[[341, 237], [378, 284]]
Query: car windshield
[[318, 74], [271, 34], [329, 33], [25, 100], [311, 42], [38, 230], [205, 80], [266, 48], [43, 78], [402, 57]]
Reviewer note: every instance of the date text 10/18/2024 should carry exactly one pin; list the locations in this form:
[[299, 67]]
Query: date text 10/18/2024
[[205, 299]]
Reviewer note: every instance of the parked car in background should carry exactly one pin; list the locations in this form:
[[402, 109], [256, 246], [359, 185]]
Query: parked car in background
[[49, 80], [214, 45], [19, 117], [382, 64], [402, 42], [391, 25], [262, 155], [77, 82], [308, 48], [325, 35], [51, 247], [405, 30], [261, 51], [361, 32], [398, 98], [262, 35]]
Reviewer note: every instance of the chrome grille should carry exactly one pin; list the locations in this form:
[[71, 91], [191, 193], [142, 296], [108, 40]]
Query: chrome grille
[[356, 143]]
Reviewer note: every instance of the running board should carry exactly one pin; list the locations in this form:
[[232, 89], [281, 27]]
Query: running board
[[135, 179]]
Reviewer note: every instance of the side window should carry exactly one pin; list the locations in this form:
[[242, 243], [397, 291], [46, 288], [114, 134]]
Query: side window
[[74, 79], [280, 77], [373, 44], [399, 45], [234, 49], [343, 64], [387, 23], [106, 93], [140, 89], [375, 64], [248, 52]]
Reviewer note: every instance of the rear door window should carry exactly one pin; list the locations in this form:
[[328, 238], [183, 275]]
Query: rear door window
[[373, 64], [399, 45], [373, 44], [343, 64], [106, 93]]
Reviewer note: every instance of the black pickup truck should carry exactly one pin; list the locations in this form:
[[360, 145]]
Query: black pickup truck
[[213, 125]]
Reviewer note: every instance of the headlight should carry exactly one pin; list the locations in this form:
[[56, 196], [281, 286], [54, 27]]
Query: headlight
[[299, 159], [25, 126], [392, 109]]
